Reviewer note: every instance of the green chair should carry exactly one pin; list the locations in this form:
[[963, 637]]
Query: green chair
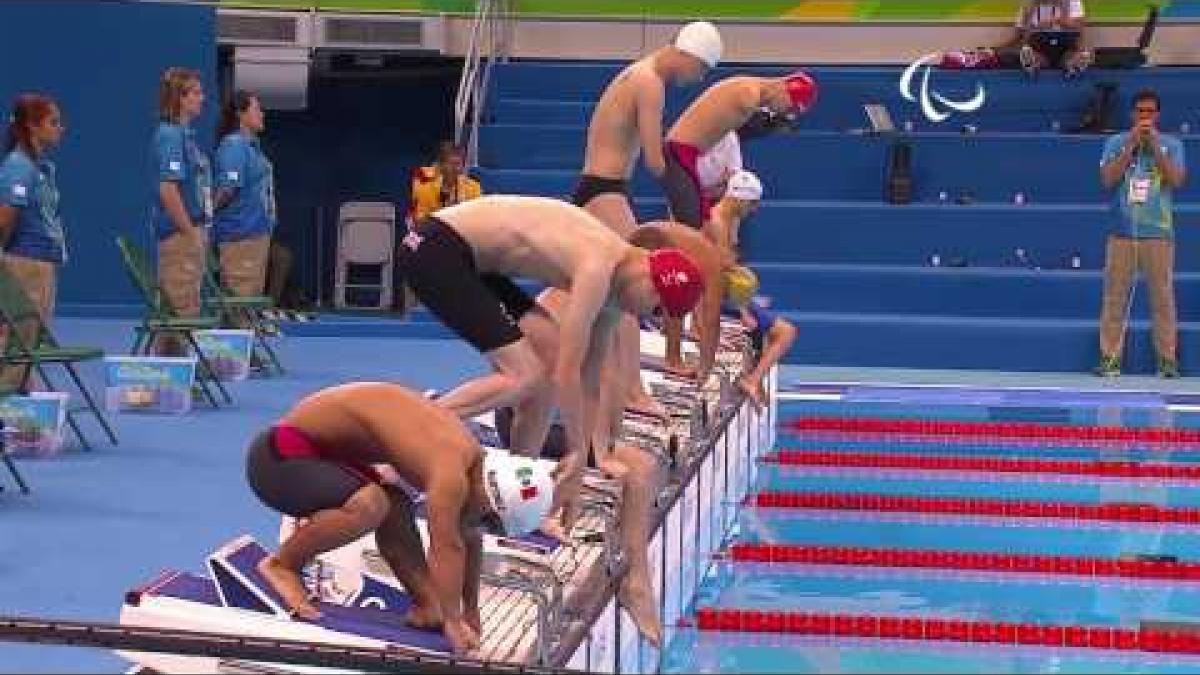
[[12, 468], [37, 348], [158, 318], [243, 311]]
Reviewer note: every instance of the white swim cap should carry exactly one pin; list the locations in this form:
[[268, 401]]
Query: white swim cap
[[519, 490], [745, 186], [702, 40]]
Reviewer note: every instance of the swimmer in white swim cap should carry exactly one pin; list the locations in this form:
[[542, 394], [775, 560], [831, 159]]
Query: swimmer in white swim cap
[[702, 40], [743, 192], [626, 123], [744, 186]]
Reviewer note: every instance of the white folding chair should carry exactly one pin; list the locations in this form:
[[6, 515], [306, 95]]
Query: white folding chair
[[366, 236]]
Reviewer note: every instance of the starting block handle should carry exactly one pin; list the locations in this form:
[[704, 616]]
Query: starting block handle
[[613, 557], [549, 606]]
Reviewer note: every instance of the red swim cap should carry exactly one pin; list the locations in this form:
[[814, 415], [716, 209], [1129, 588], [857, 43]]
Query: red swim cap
[[677, 280], [802, 90]]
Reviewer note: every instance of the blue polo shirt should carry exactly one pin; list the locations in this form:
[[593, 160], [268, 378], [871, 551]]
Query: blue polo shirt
[[242, 167], [31, 188], [1142, 206], [178, 159]]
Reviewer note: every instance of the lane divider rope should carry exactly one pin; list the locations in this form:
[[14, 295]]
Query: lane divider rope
[[1138, 568], [1045, 433], [983, 464], [956, 630], [843, 501]]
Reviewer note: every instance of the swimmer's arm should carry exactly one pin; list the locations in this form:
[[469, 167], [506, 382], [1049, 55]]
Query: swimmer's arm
[[447, 550], [748, 101], [708, 319], [720, 234], [608, 391], [588, 292], [707, 324], [472, 536], [673, 329], [473, 541], [650, 102]]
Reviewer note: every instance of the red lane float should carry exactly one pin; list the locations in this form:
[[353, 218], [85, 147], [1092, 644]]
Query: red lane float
[[876, 460], [848, 501], [1043, 433], [954, 630], [965, 560]]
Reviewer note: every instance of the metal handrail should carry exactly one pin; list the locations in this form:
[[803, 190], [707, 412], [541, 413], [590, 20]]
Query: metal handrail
[[490, 34], [466, 82]]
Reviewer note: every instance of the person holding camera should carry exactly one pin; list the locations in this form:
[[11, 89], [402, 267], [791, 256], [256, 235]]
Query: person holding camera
[[1142, 167]]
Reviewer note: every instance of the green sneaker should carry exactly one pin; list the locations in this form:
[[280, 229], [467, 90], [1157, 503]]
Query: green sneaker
[[1168, 368], [1110, 366]]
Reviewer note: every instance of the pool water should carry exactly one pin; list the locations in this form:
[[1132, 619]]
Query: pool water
[[945, 593]]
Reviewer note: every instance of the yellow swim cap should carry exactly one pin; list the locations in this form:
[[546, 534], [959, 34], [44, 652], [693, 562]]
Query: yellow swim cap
[[741, 284]]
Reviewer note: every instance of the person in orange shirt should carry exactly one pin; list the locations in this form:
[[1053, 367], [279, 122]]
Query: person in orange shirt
[[442, 184]]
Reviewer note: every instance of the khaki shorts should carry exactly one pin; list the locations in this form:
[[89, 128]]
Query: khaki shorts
[[39, 280]]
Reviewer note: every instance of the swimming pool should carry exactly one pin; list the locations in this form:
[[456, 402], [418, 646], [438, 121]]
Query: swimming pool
[[1016, 532]]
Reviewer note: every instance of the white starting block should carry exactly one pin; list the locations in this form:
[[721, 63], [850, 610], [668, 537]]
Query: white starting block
[[516, 567], [234, 598], [529, 576]]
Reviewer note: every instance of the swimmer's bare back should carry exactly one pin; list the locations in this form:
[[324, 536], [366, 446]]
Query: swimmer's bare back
[[534, 237], [723, 107], [613, 139], [381, 422]]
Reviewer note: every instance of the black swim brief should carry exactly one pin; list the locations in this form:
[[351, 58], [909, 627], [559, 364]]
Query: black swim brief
[[590, 187], [439, 267], [299, 486]]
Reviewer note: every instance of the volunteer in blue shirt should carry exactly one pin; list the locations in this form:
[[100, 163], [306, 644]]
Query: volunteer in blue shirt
[[31, 226], [184, 206], [1143, 168], [245, 181]]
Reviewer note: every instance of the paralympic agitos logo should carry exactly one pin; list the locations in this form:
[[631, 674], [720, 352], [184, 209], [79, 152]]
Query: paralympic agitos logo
[[929, 99]]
